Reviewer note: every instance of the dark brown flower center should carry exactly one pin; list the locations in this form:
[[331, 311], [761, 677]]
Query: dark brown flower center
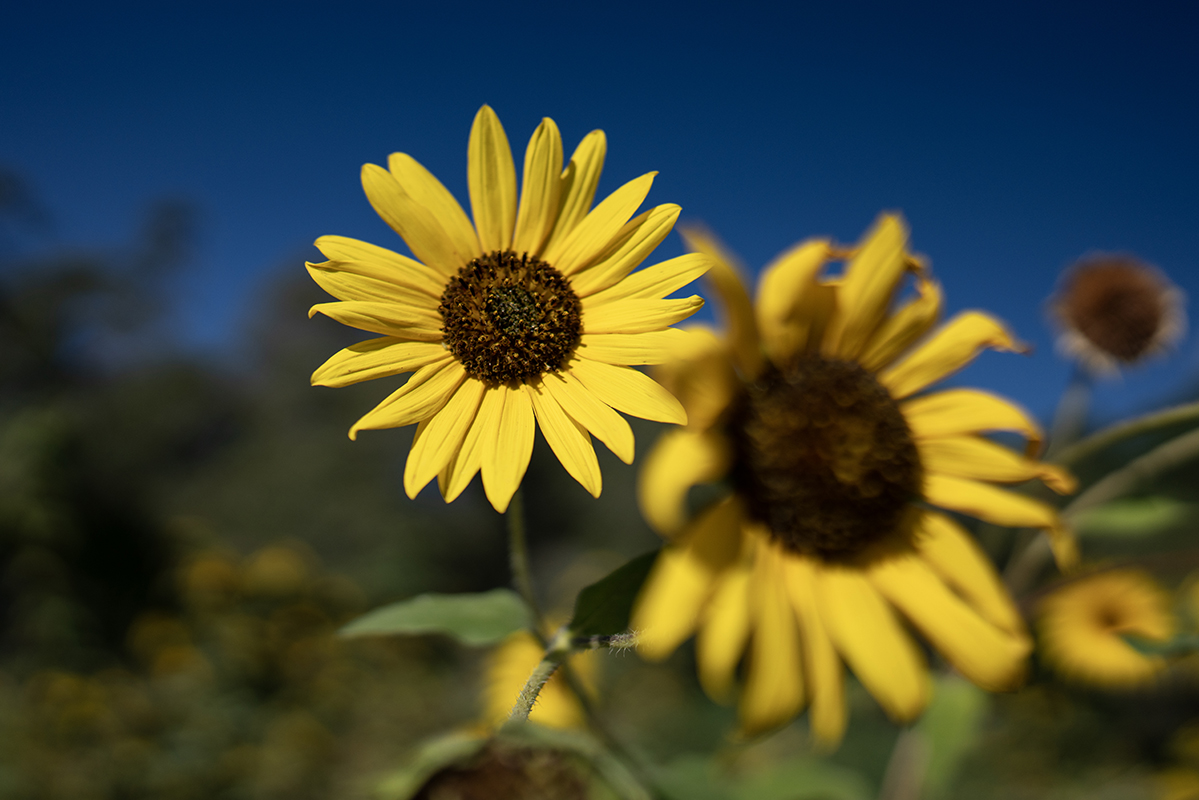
[[1117, 303], [509, 318], [824, 457]]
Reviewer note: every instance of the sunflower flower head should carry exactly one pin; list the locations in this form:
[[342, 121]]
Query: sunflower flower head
[[812, 411], [1116, 310], [529, 317], [1082, 628]]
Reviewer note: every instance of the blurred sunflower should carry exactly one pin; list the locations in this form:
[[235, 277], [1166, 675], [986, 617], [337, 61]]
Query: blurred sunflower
[[808, 410], [1116, 309], [526, 318], [1082, 626]]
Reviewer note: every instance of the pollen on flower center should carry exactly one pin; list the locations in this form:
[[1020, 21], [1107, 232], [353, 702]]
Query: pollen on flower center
[[510, 318], [824, 457]]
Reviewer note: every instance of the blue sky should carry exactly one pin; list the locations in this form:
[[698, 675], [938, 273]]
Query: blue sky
[[1014, 138]]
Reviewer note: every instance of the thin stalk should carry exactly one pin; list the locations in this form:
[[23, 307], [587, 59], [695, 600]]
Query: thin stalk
[[533, 686], [518, 560], [1174, 453], [1070, 419], [1097, 442]]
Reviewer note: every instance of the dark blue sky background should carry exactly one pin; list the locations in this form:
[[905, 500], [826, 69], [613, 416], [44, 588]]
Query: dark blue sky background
[[1015, 138]]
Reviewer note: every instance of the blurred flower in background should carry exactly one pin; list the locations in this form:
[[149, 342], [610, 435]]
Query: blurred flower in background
[[1115, 310], [1082, 628], [809, 409], [527, 318]]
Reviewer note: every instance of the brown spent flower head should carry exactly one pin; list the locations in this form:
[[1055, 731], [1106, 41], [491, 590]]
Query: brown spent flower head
[[1116, 309]]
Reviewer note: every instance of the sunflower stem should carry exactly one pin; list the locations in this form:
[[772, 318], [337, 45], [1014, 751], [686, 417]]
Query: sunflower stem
[[555, 654], [518, 561], [1126, 430], [1070, 419]]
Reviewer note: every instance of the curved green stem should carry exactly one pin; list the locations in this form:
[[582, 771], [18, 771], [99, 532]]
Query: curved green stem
[[1105, 438]]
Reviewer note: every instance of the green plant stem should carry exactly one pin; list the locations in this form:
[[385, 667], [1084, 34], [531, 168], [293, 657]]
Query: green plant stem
[[1097, 442], [1024, 569], [1070, 419], [1160, 459], [518, 560], [904, 777], [536, 682]]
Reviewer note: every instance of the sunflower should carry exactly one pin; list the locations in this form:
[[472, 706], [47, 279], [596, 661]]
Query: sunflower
[[1115, 310], [529, 317], [808, 411], [1082, 626]]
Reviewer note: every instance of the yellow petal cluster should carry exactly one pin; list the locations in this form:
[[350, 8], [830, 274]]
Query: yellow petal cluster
[[466, 425], [798, 619]]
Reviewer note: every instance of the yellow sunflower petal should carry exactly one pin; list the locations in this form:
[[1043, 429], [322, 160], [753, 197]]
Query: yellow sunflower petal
[[901, 329], [670, 603], [506, 453], [680, 459], [725, 275], [629, 248], [774, 689], [567, 438], [596, 231], [372, 261], [1001, 507], [541, 189], [628, 390], [415, 224], [631, 349], [867, 287], [700, 374], [991, 657], [408, 278], [654, 282], [961, 563], [346, 284], [954, 345], [639, 316], [723, 633], [439, 438], [467, 461], [786, 289], [421, 185], [597, 417], [864, 630], [961, 411], [491, 178], [981, 459], [420, 398], [403, 321], [375, 358], [579, 181], [826, 678]]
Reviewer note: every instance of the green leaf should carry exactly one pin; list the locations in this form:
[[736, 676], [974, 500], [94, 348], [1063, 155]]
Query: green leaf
[[804, 779], [604, 607], [950, 726], [472, 619], [1134, 516]]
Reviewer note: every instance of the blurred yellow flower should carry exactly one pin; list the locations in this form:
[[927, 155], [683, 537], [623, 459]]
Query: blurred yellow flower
[[809, 409], [1081, 628], [526, 318], [508, 667]]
